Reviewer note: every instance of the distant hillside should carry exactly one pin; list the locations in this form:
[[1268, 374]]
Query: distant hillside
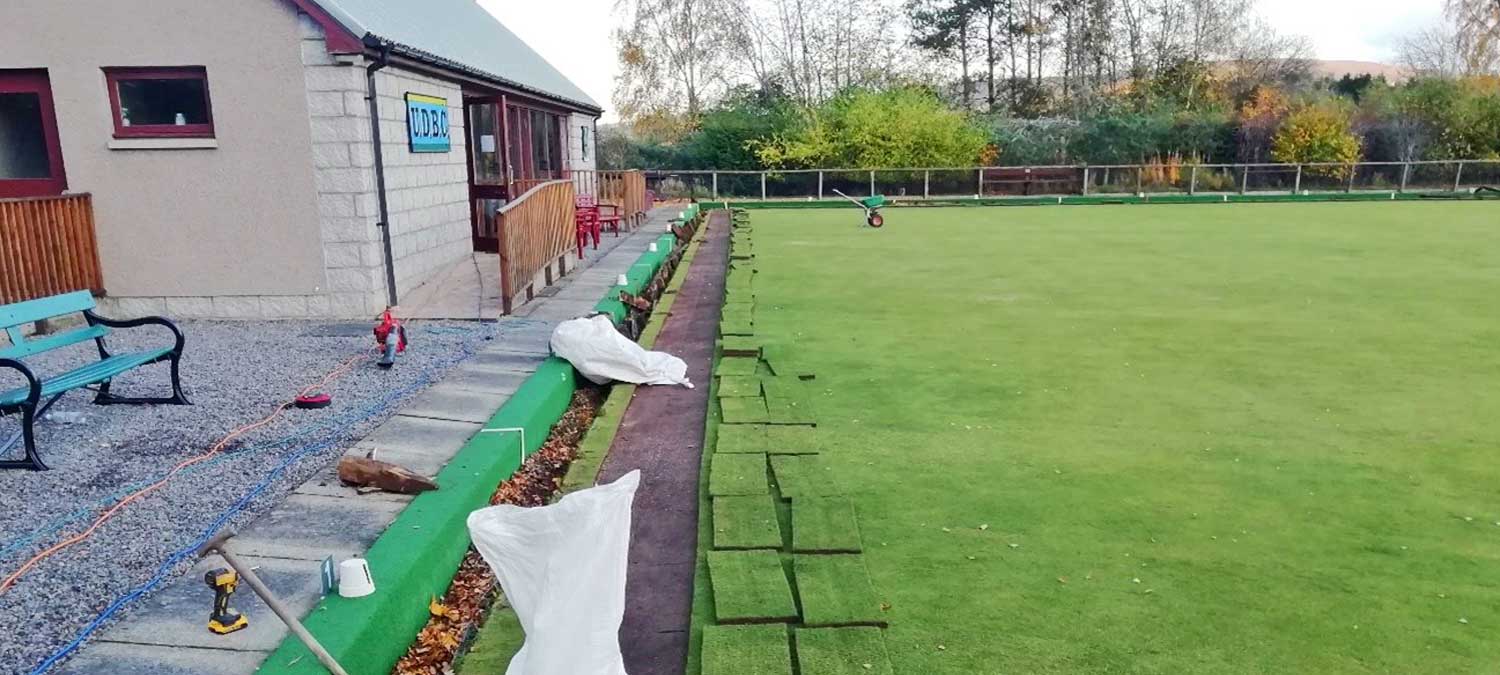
[[1337, 69]]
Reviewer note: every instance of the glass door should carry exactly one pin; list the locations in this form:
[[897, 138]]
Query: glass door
[[30, 155], [488, 190]]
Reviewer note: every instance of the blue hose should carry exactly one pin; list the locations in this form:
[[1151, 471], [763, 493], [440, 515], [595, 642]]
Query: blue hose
[[163, 571]]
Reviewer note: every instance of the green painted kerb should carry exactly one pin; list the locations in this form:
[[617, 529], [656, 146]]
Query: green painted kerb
[[416, 557]]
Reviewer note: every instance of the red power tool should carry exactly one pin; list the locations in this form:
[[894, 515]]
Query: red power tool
[[390, 335]]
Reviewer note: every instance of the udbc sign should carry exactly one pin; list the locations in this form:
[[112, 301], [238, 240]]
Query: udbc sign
[[427, 123]]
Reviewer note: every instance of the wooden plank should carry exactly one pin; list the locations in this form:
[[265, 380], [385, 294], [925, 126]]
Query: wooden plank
[[47, 247]]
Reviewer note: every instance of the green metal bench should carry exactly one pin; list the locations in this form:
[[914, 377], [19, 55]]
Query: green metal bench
[[33, 399]]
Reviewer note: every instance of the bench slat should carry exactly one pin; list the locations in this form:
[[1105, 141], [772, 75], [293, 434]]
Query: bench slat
[[45, 308], [92, 373], [37, 345]]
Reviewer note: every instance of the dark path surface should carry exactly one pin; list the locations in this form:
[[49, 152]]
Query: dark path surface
[[662, 435]]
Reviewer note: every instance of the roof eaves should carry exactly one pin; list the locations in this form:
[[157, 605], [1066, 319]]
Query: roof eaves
[[433, 59]]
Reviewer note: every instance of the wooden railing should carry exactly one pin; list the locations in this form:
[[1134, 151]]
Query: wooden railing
[[625, 189], [47, 247], [535, 229]]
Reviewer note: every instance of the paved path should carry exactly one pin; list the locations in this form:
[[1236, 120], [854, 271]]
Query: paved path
[[662, 435], [164, 634]]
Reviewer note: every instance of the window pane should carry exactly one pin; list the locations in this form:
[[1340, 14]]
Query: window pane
[[163, 102], [23, 140]]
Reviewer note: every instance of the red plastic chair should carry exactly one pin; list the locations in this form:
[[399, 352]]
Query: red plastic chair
[[586, 219]]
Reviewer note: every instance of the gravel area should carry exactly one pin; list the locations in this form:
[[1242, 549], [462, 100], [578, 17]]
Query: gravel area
[[234, 373]]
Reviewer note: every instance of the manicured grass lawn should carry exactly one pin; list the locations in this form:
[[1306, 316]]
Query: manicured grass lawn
[[1159, 439]]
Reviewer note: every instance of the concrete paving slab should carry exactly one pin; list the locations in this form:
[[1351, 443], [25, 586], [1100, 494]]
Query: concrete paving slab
[[178, 615], [309, 527], [484, 379], [450, 402], [508, 361], [116, 658]]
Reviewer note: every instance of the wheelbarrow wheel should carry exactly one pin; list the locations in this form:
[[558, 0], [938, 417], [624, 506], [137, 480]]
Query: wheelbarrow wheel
[[875, 220]]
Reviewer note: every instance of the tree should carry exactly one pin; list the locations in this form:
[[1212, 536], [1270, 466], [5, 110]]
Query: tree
[[673, 56], [903, 127], [1318, 132], [1478, 21], [1448, 51]]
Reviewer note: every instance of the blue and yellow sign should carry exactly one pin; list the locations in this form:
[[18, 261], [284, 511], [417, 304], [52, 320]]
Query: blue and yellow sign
[[427, 123]]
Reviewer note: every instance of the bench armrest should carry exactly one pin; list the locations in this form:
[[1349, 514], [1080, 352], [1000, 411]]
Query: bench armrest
[[96, 320], [31, 380]]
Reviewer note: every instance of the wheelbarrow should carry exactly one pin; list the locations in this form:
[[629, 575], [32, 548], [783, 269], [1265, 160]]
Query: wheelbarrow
[[871, 205]]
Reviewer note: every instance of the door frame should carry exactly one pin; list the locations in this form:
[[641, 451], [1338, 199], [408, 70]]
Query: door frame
[[36, 81], [486, 191]]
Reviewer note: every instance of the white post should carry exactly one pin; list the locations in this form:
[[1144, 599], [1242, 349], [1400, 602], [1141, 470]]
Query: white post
[[1085, 190], [1193, 181], [1353, 171], [716, 186], [979, 184], [762, 186], [1458, 177], [872, 182], [1297, 186], [820, 184], [1245, 180], [1405, 175], [927, 183]]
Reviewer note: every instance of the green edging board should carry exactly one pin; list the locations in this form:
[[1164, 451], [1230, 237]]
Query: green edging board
[[741, 439], [739, 386], [791, 440], [746, 650], [804, 476], [744, 410], [746, 522], [835, 591], [824, 525], [417, 555], [750, 587], [732, 474], [842, 651]]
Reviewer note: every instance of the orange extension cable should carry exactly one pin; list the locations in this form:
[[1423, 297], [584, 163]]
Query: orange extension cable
[[336, 373]]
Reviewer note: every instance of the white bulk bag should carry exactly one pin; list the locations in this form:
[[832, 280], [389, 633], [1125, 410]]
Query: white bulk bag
[[563, 570], [603, 355]]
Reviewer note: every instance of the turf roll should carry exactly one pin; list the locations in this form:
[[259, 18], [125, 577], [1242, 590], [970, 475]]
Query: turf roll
[[804, 476], [836, 591], [731, 474], [823, 525], [746, 650], [745, 522], [842, 651], [750, 587], [743, 410]]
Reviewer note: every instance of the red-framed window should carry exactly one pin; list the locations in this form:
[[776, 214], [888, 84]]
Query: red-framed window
[[31, 163], [160, 102]]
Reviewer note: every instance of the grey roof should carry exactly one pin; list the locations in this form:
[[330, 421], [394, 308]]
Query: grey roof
[[458, 34]]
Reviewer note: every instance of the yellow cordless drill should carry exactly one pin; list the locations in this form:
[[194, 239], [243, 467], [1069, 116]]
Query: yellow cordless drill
[[224, 620]]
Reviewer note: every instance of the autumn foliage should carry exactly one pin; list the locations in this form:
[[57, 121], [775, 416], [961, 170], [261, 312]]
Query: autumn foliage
[[1319, 132]]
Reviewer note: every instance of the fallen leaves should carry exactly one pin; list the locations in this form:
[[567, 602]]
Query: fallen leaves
[[458, 613]]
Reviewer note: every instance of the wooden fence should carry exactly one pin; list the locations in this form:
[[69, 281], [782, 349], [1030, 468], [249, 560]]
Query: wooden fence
[[625, 189], [534, 230], [48, 246]]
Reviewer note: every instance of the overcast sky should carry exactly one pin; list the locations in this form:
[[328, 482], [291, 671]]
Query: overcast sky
[[574, 34]]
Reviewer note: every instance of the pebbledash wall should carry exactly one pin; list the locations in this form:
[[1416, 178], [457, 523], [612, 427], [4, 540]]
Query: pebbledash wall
[[427, 196]]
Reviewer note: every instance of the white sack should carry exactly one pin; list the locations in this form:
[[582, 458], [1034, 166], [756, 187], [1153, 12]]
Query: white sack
[[563, 570], [603, 355]]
